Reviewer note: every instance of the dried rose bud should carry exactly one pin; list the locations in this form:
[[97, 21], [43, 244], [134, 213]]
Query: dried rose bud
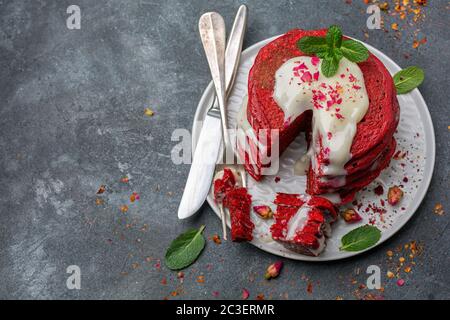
[[273, 270], [264, 212], [395, 194], [351, 216], [421, 2]]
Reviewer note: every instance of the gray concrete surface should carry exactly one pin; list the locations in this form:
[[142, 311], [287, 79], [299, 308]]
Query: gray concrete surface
[[71, 119]]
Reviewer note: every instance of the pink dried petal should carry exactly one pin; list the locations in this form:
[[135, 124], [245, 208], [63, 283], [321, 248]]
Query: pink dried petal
[[245, 294], [306, 77], [330, 103], [315, 61], [316, 76]]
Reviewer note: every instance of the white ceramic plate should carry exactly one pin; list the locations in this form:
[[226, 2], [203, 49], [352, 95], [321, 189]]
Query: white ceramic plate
[[415, 135]]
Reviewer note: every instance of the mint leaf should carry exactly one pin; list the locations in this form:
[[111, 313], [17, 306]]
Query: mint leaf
[[360, 238], [185, 249], [334, 37], [338, 54], [324, 54], [312, 45], [408, 79], [354, 51], [329, 66]]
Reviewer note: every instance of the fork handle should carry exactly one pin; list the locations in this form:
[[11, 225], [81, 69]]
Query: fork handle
[[212, 33]]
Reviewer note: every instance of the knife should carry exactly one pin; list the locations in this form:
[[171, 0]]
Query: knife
[[210, 140]]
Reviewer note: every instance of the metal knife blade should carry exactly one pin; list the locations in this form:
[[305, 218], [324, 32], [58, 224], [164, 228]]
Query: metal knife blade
[[210, 140]]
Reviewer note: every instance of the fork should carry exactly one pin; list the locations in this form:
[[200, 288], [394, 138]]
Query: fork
[[212, 32]]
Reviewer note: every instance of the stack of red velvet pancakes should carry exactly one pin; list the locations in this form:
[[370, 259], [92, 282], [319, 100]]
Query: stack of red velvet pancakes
[[372, 144]]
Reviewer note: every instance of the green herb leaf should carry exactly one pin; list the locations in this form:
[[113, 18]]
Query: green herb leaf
[[185, 249], [354, 51], [360, 238], [408, 79], [324, 54], [329, 67], [312, 45], [334, 37], [338, 54]]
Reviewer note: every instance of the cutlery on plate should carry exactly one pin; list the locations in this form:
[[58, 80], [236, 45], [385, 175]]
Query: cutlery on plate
[[209, 143]]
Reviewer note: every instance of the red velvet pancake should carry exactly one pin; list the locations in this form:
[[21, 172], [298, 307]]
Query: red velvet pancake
[[356, 181], [309, 238]]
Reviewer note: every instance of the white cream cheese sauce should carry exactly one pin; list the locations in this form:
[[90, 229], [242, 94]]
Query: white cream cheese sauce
[[338, 104]]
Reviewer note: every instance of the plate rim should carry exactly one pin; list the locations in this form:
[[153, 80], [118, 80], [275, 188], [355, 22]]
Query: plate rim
[[200, 114]]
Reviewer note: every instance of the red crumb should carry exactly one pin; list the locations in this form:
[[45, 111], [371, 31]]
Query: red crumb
[[379, 190]]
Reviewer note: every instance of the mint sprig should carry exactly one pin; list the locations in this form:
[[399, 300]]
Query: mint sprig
[[185, 249], [332, 48], [354, 51], [408, 79], [360, 238]]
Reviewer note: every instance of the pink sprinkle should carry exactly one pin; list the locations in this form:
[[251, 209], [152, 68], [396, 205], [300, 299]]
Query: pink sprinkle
[[315, 61], [342, 75], [356, 87], [306, 77], [300, 67], [351, 78], [339, 116], [400, 282], [316, 76], [321, 96], [330, 103]]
